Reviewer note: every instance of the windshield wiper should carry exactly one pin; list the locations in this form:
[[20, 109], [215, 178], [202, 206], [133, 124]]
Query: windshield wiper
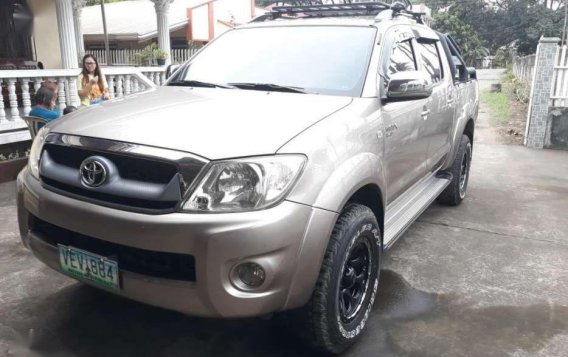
[[194, 83], [268, 87]]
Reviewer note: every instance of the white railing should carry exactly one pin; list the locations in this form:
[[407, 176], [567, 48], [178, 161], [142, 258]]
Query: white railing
[[21, 86], [559, 90], [523, 68], [127, 57]]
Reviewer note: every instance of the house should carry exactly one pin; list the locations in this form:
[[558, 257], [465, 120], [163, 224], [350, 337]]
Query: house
[[52, 31], [132, 24]]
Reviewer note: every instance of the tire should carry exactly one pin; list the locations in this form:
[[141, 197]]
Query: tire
[[347, 285], [454, 194]]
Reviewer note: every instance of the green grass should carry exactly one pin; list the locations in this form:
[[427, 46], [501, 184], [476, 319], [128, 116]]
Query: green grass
[[499, 106]]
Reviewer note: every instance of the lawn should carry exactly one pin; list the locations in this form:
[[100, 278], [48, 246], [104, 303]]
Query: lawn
[[499, 103]]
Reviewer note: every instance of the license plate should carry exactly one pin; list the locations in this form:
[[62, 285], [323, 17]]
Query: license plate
[[83, 265]]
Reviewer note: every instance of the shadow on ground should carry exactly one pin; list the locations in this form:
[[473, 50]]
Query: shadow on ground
[[82, 321]]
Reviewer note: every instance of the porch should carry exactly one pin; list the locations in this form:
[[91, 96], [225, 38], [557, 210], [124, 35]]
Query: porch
[[19, 87]]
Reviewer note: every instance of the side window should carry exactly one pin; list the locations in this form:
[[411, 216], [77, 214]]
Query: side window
[[430, 59], [402, 58]]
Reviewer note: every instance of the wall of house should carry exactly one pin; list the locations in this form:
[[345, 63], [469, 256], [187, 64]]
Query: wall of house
[[46, 33], [200, 23]]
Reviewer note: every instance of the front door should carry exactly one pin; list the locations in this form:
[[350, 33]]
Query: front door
[[405, 145]]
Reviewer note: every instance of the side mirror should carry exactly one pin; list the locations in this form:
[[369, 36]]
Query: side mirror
[[472, 72], [171, 69], [409, 85]]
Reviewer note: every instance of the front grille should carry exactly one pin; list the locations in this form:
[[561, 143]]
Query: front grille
[[111, 200], [157, 264], [134, 182], [129, 167]]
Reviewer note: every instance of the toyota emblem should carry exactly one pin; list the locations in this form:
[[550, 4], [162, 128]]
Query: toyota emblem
[[93, 172]]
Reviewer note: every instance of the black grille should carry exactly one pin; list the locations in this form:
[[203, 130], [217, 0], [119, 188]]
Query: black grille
[[157, 264], [140, 171], [129, 167], [112, 200]]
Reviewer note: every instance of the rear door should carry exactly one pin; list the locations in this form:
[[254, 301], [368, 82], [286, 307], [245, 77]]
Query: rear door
[[439, 114], [405, 144]]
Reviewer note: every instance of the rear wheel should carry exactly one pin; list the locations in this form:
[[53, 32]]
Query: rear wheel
[[455, 192], [345, 291]]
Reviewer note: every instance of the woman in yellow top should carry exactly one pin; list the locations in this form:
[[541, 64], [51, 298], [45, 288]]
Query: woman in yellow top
[[92, 86]]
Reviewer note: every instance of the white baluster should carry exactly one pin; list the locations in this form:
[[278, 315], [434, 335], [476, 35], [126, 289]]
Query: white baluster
[[135, 86], [26, 95], [111, 87], [150, 76], [13, 98], [162, 78], [37, 82], [119, 92], [2, 112], [67, 92], [157, 78], [73, 93], [61, 92], [127, 85]]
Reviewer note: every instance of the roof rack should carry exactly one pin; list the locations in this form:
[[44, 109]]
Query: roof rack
[[293, 9]]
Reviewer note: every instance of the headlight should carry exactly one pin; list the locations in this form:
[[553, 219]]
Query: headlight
[[245, 184], [35, 151]]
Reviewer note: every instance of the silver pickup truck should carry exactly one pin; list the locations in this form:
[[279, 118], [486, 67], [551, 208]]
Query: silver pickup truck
[[271, 172]]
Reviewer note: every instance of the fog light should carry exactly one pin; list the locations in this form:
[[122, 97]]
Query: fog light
[[251, 274]]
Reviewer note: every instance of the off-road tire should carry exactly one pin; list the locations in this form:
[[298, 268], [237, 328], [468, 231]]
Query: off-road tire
[[454, 194], [356, 235]]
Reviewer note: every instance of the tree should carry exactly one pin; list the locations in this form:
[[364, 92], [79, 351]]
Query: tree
[[466, 37]]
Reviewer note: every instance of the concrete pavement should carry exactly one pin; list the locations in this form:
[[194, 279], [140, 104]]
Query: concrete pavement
[[487, 278]]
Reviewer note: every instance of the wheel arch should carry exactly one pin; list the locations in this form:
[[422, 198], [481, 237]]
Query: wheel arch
[[370, 195], [465, 127]]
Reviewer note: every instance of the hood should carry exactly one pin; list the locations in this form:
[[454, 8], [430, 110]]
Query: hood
[[210, 122]]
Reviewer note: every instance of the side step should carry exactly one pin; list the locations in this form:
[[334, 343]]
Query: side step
[[407, 208]]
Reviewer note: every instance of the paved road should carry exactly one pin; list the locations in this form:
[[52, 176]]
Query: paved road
[[488, 278]]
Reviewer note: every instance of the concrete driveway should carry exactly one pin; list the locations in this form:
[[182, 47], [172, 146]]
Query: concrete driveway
[[488, 278]]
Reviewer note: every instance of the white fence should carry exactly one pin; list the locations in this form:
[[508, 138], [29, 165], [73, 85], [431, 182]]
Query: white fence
[[128, 57], [559, 91], [523, 68], [21, 85]]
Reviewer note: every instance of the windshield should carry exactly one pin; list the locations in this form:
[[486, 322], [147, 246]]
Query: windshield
[[311, 59]]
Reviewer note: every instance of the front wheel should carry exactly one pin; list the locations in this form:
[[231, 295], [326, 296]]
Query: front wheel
[[455, 192], [345, 291]]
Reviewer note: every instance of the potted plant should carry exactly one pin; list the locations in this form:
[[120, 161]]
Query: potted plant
[[145, 56], [160, 56]]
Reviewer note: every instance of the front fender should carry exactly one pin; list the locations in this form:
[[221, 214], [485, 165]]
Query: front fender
[[358, 171]]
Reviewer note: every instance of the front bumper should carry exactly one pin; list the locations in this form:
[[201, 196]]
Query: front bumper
[[288, 241]]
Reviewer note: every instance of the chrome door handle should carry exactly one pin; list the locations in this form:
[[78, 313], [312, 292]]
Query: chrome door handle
[[424, 114]]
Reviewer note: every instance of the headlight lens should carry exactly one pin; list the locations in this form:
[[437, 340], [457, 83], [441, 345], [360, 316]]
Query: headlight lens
[[245, 184], [35, 151]]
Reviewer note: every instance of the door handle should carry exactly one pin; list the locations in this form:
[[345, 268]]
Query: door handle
[[424, 114]]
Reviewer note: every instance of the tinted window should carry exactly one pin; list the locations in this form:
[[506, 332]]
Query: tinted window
[[431, 61], [402, 58], [319, 59]]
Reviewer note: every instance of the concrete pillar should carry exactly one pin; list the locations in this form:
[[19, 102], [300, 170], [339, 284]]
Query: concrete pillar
[[541, 88], [77, 13], [67, 41], [162, 8]]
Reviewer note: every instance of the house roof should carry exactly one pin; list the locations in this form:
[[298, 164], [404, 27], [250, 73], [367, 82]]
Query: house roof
[[132, 20]]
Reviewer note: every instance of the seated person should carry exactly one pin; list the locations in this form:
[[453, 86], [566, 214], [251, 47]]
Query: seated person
[[45, 105]]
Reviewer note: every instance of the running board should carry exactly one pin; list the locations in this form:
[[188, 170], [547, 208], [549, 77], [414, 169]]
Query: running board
[[407, 208]]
